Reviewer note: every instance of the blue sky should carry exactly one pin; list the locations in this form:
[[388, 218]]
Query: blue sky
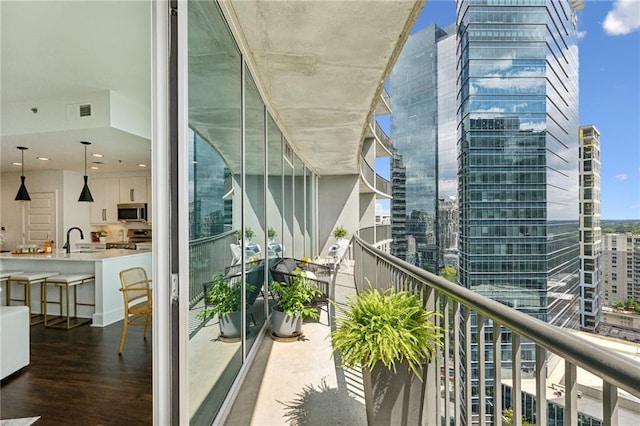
[[609, 93]]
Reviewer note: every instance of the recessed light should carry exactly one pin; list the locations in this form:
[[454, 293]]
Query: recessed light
[[97, 155], [142, 165], [43, 158], [94, 168], [17, 163]]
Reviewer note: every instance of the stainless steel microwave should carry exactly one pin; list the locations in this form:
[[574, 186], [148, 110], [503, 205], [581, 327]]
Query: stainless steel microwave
[[134, 212]]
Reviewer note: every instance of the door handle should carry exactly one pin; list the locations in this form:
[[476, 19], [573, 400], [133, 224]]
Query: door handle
[[131, 194], [104, 214]]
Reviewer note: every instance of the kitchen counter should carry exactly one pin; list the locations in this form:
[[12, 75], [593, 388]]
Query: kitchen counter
[[75, 255], [105, 265]]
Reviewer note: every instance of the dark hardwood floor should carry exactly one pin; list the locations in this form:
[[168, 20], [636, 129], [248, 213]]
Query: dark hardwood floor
[[77, 378]]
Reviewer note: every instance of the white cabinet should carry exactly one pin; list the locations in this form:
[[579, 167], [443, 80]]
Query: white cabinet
[[133, 190], [106, 195]]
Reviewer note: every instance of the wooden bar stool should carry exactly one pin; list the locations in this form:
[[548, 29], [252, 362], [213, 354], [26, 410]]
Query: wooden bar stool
[[27, 279], [66, 281], [4, 277]]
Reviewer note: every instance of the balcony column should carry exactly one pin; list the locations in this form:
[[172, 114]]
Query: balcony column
[[609, 404], [571, 394]]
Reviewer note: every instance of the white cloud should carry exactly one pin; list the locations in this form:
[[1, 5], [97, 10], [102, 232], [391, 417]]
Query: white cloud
[[621, 176], [381, 209], [624, 18], [581, 35]]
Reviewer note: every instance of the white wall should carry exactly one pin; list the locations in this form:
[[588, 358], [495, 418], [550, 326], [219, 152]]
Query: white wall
[[338, 205], [367, 209]]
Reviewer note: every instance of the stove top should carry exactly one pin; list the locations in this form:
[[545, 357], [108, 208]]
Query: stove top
[[139, 235]]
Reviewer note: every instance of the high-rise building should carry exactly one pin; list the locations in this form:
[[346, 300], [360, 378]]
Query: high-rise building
[[518, 155], [424, 101], [590, 230], [621, 268]]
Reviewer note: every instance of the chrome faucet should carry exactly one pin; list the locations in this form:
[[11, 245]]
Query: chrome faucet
[[66, 245]]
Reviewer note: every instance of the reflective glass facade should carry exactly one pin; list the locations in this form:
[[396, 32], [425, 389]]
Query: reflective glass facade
[[415, 87], [518, 155]]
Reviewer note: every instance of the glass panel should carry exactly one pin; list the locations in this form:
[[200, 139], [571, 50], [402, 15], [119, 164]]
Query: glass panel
[[254, 216], [214, 128], [299, 200], [288, 206], [308, 245], [274, 192]]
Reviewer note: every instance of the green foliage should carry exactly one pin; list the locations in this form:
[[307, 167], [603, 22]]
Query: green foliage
[[248, 232], [225, 297], [340, 232], [271, 232], [507, 413], [449, 273], [620, 226], [629, 305], [296, 297], [385, 327]]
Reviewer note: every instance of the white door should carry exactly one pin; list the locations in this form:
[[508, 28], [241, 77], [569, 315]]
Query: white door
[[40, 218]]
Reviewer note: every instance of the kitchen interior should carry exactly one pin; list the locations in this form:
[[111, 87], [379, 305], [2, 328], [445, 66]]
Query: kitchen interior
[[76, 115]]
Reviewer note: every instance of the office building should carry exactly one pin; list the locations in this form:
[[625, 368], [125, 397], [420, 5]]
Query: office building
[[621, 268], [590, 230], [423, 126]]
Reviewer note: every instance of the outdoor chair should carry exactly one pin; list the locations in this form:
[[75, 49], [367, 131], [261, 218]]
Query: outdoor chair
[[136, 292]]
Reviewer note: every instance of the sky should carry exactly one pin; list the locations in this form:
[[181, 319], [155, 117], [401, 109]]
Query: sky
[[609, 49]]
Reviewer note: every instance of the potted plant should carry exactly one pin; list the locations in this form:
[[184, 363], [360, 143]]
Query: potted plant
[[248, 233], [224, 298], [271, 233], [294, 303], [340, 232], [390, 335]]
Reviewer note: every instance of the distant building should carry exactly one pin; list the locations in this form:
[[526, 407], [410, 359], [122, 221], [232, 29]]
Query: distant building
[[590, 230], [621, 268], [621, 319]]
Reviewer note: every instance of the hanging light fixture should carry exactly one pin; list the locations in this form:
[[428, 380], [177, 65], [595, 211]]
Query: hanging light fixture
[[85, 195], [23, 194]]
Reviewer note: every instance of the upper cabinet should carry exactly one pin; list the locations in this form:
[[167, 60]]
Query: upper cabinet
[[133, 190], [105, 193]]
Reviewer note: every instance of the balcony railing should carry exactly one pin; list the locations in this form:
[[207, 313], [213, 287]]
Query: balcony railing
[[452, 405], [208, 256], [384, 139], [375, 234], [374, 180]]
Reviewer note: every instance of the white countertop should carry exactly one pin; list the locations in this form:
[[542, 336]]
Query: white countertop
[[75, 255]]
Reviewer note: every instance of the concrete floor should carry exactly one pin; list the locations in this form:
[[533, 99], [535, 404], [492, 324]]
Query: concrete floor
[[300, 382]]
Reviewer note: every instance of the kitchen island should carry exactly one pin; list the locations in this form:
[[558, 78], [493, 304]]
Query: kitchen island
[[105, 265]]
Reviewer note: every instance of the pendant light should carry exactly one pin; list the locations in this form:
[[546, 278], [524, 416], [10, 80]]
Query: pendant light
[[23, 194], [85, 195]]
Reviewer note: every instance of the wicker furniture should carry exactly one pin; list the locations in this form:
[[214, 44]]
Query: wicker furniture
[[136, 292]]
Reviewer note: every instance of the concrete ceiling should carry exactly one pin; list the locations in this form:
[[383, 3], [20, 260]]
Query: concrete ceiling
[[319, 65]]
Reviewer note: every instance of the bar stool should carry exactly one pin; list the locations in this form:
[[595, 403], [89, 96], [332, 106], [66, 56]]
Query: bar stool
[[4, 277], [27, 279], [66, 281]]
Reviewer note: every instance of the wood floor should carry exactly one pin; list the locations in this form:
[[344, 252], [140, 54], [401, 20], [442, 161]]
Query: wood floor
[[77, 378]]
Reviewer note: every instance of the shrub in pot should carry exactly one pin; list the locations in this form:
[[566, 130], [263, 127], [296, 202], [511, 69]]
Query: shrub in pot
[[340, 232], [224, 298], [391, 336], [294, 302]]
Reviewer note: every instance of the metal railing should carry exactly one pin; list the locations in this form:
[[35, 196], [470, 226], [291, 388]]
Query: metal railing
[[208, 256], [384, 139], [375, 181], [445, 405], [374, 234]]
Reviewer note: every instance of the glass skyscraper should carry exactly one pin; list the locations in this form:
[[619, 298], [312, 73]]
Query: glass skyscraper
[[518, 155], [424, 99]]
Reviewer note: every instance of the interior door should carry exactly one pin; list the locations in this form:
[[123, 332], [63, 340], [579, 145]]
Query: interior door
[[40, 218]]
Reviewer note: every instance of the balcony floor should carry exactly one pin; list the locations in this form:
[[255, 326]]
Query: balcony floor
[[300, 382]]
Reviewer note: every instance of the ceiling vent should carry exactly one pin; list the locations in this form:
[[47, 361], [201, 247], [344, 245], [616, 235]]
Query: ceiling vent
[[85, 110]]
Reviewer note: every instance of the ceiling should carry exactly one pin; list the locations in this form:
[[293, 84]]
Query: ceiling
[[56, 53], [320, 65]]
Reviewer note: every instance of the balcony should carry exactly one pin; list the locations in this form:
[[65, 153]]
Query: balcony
[[297, 382], [384, 141], [370, 181], [383, 106]]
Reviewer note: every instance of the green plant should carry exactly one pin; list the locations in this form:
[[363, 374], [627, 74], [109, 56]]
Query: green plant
[[271, 233], [224, 297], [248, 232], [340, 232], [507, 413], [386, 327], [296, 297]]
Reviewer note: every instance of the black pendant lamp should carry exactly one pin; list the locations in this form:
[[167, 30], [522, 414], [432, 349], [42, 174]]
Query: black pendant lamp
[[85, 195], [23, 194]]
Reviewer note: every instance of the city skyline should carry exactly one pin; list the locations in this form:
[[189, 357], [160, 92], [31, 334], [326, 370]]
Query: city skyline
[[609, 45]]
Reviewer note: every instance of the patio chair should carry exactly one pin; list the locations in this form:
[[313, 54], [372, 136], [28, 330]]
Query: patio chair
[[136, 292]]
